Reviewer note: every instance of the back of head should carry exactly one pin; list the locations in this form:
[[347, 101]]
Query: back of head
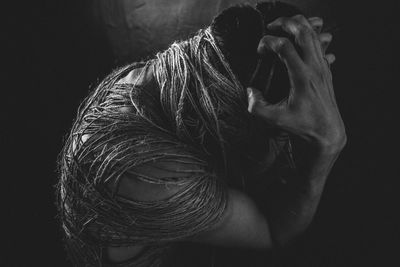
[[202, 99], [238, 31], [202, 84]]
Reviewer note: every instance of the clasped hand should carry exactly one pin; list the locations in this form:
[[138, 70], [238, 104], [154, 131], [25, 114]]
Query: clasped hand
[[310, 111]]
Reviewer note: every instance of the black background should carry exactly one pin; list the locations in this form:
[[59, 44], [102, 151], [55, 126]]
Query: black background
[[52, 53]]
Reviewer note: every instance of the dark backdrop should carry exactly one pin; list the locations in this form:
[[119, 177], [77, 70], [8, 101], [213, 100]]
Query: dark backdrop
[[53, 53]]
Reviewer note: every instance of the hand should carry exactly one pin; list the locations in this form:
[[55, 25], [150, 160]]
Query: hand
[[325, 38], [310, 111]]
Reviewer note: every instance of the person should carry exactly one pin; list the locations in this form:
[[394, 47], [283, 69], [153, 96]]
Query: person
[[190, 148]]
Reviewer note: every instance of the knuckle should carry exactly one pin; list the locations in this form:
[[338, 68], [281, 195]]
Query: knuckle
[[262, 44], [266, 43], [326, 37], [264, 40], [301, 19], [282, 43], [283, 20], [331, 58], [304, 30], [316, 24], [329, 37], [279, 22], [292, 27], [319, 20], [303, 26]]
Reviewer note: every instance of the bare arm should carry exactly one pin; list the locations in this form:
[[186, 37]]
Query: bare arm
[[310, 113]]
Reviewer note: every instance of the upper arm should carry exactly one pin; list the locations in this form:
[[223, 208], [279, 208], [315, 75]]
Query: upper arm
[[170, 194], [242, 225]]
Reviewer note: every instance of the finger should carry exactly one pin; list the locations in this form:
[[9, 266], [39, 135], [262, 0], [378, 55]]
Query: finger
[[316, 23], [315, 51], [260, 107], [325, 39], [285, 50], [330, 58], [306, 38], [256, 100]]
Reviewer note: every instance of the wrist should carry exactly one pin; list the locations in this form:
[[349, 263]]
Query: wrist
[[330, 146]]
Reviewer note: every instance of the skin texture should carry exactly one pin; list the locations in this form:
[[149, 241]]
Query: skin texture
[[310, 111], [311, 115]]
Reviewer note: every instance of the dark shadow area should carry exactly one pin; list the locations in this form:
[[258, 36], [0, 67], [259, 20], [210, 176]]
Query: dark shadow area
[[54, 52]]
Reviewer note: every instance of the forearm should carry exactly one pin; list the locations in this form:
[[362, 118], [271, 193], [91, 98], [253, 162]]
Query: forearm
[[290, 207], [310, 112]]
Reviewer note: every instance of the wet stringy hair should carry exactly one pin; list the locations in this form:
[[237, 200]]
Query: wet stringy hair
[[195, 117]]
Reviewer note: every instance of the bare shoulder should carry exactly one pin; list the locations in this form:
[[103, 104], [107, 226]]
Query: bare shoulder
[[139, 76]]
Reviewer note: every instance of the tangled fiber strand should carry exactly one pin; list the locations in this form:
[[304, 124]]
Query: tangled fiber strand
[[195, 119], [201, 96]]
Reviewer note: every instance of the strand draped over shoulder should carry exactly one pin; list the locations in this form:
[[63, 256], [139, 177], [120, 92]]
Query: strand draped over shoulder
[[199, 93], [106, 143], [196, 118]]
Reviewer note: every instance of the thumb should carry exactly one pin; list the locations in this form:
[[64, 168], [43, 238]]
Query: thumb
[[260, 107], [256, 101]]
